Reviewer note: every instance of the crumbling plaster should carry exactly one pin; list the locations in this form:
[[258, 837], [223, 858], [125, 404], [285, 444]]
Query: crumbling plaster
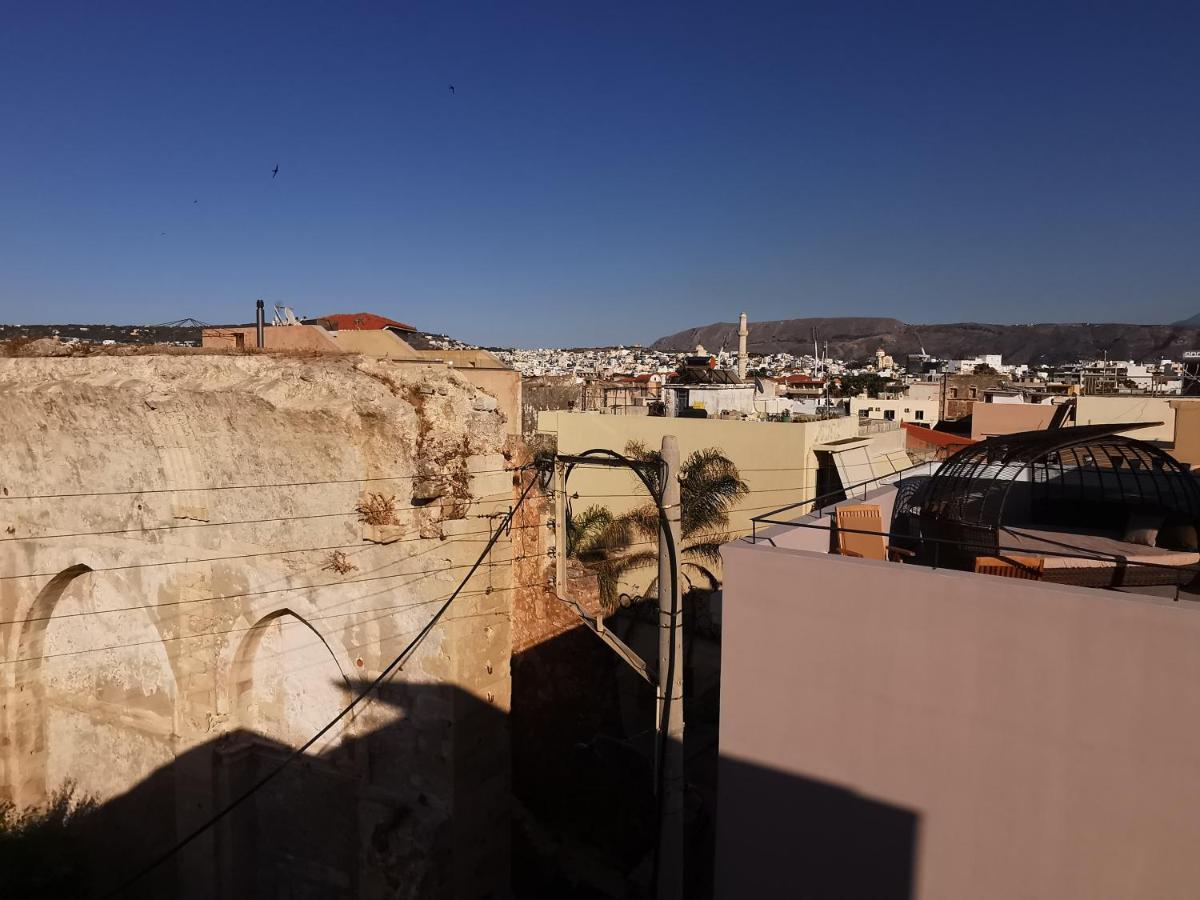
[[121, 472]]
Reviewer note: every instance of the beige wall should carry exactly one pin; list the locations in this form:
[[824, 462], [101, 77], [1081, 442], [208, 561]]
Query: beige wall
[[925, 390], [775, 459], [985, 737], [275, 337], [990, 419], [1187, 431], [1110, 410], [380, 344], [474, 358], [904, 409], [203, 606]]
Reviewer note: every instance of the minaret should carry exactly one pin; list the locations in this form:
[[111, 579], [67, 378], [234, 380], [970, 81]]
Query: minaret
[[742, 332]]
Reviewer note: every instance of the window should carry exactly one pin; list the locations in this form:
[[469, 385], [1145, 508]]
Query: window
[[953, 393], [889, 415], [920, 415], [974, 393]]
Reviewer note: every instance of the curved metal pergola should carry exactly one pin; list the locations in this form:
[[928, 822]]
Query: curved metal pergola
[[1086, 475]]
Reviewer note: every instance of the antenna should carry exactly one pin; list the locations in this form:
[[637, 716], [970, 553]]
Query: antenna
[[284, 316]]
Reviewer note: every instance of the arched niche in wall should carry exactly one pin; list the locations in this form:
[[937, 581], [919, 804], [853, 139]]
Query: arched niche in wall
[[95, 689], [287, 682]]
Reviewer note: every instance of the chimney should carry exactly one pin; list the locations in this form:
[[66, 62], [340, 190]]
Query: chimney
[[258, 324], [742, 332]]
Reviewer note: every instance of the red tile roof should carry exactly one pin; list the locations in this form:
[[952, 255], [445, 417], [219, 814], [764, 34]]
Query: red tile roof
[[937, 438], [802, 379], [364, 322]]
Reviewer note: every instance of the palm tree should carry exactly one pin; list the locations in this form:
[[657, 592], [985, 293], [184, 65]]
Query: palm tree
[[709, 487]]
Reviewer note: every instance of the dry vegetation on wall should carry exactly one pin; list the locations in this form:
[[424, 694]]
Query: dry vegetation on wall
[[377, 509], [339, 562]]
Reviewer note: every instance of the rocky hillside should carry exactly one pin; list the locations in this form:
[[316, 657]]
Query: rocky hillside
[[858, 338]]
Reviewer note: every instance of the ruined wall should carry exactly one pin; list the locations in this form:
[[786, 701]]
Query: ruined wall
[[187, 590], [275, 337], [548, 392], [959, 392]]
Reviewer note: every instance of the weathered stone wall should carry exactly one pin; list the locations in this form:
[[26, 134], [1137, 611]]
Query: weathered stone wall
[[187, 590], [548, 392]]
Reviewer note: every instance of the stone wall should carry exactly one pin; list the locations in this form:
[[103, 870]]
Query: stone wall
[[959, 392], [187, 591], [548, 392]]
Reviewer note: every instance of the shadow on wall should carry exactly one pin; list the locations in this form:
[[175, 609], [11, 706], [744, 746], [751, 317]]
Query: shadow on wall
[[582, 731], [407, 810], [832, 842], [422, 808]]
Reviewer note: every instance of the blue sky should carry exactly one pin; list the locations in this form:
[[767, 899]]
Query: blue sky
[[603, 172]]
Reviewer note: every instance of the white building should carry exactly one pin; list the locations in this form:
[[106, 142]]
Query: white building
[[901, 409]]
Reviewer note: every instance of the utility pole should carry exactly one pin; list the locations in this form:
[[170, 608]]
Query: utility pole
[[670, 682], [668, 679]]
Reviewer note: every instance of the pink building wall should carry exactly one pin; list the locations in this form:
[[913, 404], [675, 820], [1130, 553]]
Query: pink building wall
[[989, 419], [888, 729]]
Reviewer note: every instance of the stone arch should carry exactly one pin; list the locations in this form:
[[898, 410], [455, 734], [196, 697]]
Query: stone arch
[[72, 708], [271, 671], [28, 723]]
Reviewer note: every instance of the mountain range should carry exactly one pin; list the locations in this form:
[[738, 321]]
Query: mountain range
[[857, 339]]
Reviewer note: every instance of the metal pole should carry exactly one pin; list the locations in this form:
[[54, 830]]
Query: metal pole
[[258, 325], [670, 684], [560, 527]]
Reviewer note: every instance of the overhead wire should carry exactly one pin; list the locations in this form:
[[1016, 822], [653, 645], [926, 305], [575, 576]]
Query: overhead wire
[[229, 487], [207, 559], [243, 594], [395, 664], [202, 634], [233, 522]]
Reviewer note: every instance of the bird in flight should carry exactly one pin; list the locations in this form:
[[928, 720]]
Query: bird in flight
[[451, 88], [275, 171]]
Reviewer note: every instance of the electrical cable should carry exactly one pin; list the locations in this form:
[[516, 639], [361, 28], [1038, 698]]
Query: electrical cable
[[146, 528], [638, 467], [184, 637], [206, 559], [228, 487], [387, 671]]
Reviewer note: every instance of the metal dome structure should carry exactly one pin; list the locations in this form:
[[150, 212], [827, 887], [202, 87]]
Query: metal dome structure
[[1083, 476]]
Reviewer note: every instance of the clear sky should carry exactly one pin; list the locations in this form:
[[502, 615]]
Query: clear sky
[[603, 172]]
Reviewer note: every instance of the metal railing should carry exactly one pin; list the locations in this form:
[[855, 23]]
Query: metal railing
[[860, 489], [1121, 566]]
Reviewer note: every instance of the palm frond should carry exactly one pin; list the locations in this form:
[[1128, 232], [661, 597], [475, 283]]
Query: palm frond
[[585, 531], [641, 522], [707, 549], [710, 488], [639, 451], [704, 573]]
